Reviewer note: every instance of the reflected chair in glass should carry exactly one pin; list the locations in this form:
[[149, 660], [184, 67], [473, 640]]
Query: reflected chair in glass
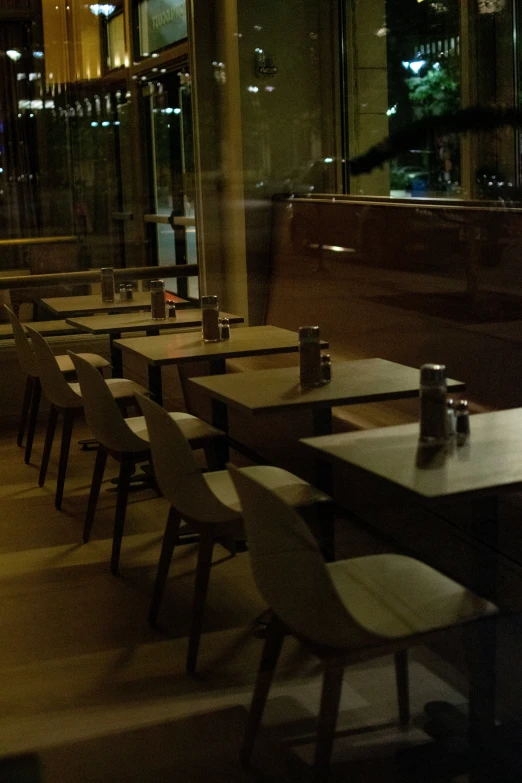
[[66, 399], [33, 388], [208, 502], [343, 612], [127, 441]]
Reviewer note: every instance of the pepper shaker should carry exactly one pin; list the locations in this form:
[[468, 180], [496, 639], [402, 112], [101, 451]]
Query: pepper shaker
[[107, 283], [462, 420], [157, 300], [433, 392], [225, 329], [326, 367], [172, 310], [210, 319], [310, 369]]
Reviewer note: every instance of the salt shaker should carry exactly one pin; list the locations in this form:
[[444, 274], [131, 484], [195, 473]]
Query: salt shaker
[[225, 329], [210, 319], [451, 418], [462, 420], [107, 283], [130, 292], [326, 368], [433, 391], [157, 300], [123, 292], [310, 367]]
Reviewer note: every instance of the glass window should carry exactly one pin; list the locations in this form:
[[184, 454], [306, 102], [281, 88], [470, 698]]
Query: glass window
[[423, 65], [161, 23], [116, 42]]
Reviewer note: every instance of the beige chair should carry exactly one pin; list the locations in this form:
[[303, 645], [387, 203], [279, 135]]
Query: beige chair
[[208, 502], [127, 441], [345, 611], [33, 389], [65, 398]]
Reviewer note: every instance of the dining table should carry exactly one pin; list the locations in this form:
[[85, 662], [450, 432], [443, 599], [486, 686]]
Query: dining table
[[179, 349], [279, 390], [88, 304], [477, 469], [116, 324], [53, 328]]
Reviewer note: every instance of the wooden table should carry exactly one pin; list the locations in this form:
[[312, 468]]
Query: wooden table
[[68, 306], [169, 349], [278, 389], [488, 463], [47, 328], [115, 325]]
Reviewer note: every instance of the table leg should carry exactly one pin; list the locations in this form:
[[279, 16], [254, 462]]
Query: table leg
[[218, 366], [481, 645], [322, 425], [152, 332], [220, 420], [155, 383], [322, 421], [482, 640], [116, 356]]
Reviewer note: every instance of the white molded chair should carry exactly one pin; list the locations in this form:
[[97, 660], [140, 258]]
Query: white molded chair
[[66, 398], [208, 502], [345, 611], [127, 441], [33, 388]]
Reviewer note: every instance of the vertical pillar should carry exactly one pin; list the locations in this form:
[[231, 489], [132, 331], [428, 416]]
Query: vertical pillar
[[367, 89], [220, 210]]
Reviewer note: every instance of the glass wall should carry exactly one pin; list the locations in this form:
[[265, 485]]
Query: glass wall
[[412, 60]]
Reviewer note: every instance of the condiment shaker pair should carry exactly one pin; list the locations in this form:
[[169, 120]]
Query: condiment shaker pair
[[314, 369], [214, 328], [441, 418]]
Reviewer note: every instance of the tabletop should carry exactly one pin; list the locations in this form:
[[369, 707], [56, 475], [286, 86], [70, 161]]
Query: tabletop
[[177, 348], [353, 382], [491, 457], [47, 328], [132, 322], [66, 306]]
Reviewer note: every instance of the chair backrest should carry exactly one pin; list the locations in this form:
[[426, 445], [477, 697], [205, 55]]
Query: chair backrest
[[289, 570], [54, 385], [176, 470], [24, 351], [103, 415]]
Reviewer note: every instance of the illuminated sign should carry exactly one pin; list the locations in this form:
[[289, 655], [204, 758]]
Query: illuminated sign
[[162, 22]]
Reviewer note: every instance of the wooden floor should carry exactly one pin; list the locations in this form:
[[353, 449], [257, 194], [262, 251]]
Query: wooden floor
[[86, 684]]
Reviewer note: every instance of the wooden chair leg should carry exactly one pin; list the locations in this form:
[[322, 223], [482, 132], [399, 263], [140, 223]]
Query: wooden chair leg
[[272, 649], [330, 699], [49, 438], [97, 478], [33, 416], [403, 686], [28, 391], [206, 547], [170, 538], [126, 468], [68, 419]]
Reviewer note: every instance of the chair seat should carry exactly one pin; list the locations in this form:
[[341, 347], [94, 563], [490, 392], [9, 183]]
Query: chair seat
[[120, 388], [65, 363], [286, 485], [394, 596], [191, 427]]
